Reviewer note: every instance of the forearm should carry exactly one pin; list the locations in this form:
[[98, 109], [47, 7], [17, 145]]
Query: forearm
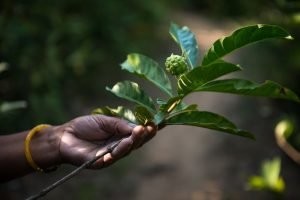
[[43, 147], [74, 142]]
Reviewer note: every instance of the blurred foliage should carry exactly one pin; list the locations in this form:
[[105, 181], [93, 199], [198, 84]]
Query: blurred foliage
[[229, 8], [269, 178], [7, 107], [62, 52]]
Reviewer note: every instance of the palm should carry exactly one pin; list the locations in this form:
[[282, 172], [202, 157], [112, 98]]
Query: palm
[[84, 137]]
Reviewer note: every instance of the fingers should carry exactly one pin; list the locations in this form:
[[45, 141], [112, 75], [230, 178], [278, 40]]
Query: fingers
[[99, 127], [140, 135], [122, 149], [115, 126], [86, 136], [151, 132]]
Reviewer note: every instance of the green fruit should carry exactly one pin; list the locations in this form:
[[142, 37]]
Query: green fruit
[[176, 65]]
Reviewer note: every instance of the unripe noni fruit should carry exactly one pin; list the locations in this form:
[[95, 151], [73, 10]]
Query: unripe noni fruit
[[176, 65]]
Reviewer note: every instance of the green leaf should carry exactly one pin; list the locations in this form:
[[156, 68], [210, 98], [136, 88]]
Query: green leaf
[[171, 104], [187, 42], [243, 37], [271, 171], [143, 115], [257, 182], [201, 75], [120, 111], [271, 175], [160, 101], [206, 120], [180, 107], [245, 87], [279, 185], [159, 117], [131, 91], [165, 105], [104, 111], [191, 107], [148, 69]]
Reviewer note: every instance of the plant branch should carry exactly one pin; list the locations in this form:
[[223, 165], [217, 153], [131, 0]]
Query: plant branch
[[287, 148], [85, 165]]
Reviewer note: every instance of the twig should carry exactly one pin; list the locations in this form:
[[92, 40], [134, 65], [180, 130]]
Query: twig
[[85, 165], [287, 148]]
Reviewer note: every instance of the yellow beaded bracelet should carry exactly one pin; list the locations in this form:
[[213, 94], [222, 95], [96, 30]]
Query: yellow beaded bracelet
[[28, 155]]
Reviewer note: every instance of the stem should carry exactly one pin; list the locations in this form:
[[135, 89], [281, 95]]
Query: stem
[[287, 148], [85, 165]]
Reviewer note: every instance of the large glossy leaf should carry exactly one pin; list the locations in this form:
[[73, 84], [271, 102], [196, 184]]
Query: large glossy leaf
[[131, 91], [187, 42], [245, 87], [206, 120], [243, 37], [148, 69], [201, 75], [120, 111]]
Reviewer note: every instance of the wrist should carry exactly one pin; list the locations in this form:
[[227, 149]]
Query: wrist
[[44, 147]]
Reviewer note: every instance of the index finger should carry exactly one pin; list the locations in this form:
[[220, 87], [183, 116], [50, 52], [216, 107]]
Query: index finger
[[115, 126]]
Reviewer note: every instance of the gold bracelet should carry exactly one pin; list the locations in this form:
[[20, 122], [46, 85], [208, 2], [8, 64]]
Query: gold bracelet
[[28, 155]]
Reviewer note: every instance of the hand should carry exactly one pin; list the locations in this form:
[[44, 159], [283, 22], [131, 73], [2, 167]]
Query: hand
[[83, 138]]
